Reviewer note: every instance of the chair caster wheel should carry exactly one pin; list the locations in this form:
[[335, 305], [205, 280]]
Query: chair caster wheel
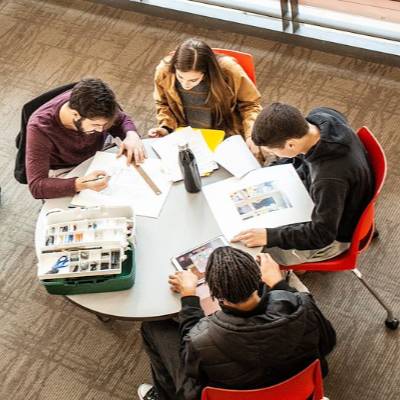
[[392, 324], [375, 235], [103, 318]]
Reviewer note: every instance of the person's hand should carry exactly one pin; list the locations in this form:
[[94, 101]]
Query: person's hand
[[157, 132], [184, 282], [253, 148], [270, 271], [132, 146], [96, 180], [252, 237]]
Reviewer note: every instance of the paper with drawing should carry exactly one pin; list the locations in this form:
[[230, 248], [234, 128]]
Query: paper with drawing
[[126, 186], [264, 198]]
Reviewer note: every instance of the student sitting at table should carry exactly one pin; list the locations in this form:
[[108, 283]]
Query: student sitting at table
[[68, 130], [334, 169], [265, 332], [195, 87]]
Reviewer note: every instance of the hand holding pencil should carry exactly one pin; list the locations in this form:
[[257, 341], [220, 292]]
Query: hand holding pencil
[[96, 180]]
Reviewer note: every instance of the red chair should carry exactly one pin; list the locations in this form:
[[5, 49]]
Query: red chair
[[300, 387], [245, 60], [365, 229]]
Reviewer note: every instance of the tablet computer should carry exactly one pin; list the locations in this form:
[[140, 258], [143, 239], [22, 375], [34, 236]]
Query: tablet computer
[[196, 259]]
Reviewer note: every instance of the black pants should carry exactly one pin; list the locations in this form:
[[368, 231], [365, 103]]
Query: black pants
[[162, 341]]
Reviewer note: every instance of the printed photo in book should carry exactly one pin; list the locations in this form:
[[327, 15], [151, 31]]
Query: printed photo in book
[[259, 199]]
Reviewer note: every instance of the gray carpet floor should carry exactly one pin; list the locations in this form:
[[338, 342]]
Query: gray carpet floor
[[52, 350]]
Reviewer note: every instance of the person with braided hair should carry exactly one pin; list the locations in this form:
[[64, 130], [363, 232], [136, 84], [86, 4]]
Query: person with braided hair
[[265, 332]]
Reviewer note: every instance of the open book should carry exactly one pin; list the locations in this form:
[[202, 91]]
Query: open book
[[167, 150], [264, 198], [234, 155]]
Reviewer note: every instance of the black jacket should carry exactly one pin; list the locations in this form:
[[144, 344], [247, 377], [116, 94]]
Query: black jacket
[[338, 177], [247, 350]]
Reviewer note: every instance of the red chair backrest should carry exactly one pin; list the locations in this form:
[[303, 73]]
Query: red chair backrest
[[365, 227], [376, 156], [300, 387], [245, 60]]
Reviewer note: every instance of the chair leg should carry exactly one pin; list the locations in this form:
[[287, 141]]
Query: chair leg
[[104, 318], [390, 322]]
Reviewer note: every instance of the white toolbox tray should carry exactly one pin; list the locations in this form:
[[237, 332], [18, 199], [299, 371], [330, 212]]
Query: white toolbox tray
[[85, 241]]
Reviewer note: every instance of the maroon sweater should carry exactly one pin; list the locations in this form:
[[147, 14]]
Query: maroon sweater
[[52, 146]]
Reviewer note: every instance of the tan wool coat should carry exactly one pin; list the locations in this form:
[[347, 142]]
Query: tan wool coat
[[244, 99]]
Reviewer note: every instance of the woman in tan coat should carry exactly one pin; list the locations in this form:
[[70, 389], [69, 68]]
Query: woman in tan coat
[[195, 87]]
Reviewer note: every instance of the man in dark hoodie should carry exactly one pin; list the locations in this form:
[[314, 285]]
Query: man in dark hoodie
[[264, 333], [333, 165]]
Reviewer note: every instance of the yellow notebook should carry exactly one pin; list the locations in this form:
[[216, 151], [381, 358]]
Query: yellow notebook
[[213, 137]]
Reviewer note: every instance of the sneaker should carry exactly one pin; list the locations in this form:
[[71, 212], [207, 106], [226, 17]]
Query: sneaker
[[147, 392]]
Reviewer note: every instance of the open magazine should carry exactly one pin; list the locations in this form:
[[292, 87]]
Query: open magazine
[[264, 198]]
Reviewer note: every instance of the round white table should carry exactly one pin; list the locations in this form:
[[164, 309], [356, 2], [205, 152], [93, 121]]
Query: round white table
[[184, 222]]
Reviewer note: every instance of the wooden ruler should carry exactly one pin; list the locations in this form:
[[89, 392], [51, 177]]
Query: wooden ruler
[[147, 179], [142, 172]]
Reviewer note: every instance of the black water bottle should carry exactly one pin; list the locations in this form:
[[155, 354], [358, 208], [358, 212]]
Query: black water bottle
[[189, 168]]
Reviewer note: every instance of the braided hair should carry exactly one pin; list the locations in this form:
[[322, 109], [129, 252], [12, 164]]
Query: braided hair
[[232, 274]]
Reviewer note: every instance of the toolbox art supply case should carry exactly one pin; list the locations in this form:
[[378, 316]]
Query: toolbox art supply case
[[88, 250]]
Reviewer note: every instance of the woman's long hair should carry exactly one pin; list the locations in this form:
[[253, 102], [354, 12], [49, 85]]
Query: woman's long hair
[[196, 55]]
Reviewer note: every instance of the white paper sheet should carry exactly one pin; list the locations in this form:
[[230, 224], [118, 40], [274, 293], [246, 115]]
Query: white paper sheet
[[167, 150], [265, 198], [235, 156], [126, 186]]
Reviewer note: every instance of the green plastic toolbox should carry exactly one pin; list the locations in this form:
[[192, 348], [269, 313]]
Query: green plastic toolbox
[[95, 284]]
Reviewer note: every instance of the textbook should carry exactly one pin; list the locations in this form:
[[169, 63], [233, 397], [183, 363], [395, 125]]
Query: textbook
[[264, 198]]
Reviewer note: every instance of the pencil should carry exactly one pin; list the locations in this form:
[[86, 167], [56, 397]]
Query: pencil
[[96, 179]]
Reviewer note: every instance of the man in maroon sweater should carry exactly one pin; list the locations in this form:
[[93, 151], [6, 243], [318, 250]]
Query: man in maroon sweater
[[68, 130]]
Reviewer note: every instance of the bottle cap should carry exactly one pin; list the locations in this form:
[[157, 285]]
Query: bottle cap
[[183, 146]]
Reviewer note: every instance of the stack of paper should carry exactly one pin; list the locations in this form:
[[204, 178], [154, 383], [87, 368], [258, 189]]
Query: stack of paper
[[167, 150], [126, 186]]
